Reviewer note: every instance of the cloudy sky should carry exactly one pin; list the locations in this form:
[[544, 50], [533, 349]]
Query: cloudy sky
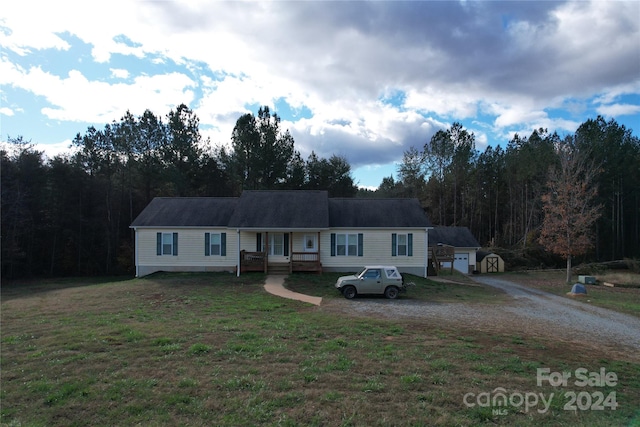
[[364, 80]]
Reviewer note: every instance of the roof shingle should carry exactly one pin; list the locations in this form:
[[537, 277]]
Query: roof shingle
[[295, 209], [187, 212]]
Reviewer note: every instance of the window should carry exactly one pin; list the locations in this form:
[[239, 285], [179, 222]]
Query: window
[[346, 244], [372, 274], [402, 244], [215, 244], [310, 243], [167, 244], [392, 274], [276, 244]]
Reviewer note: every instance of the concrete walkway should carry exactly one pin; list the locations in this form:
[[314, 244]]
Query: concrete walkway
[[275, 285]]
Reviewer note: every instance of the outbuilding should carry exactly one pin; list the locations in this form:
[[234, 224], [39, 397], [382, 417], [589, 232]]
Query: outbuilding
[[489, 262]]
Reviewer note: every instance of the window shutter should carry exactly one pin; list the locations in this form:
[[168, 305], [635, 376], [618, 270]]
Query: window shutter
[[223, 244], [394, 244], [410, 244], [286, 244], [207, 244], [360, 244], [175, 244], [259, 242], [158, 243], [333, 244]]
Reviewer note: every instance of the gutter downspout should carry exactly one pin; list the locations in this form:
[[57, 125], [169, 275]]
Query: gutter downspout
[[239, 260], [426, 251], [135, 251]]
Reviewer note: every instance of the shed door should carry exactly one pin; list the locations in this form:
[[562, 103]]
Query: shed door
[[461, 263], [492, 264]]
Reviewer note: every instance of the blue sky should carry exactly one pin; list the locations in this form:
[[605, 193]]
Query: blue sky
[[364, 80]]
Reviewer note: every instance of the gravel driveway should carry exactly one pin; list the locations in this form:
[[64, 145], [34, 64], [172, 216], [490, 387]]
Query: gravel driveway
[[530, 312]]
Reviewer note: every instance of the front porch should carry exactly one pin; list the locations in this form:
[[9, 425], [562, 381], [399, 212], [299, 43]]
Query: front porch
[[275, 252]]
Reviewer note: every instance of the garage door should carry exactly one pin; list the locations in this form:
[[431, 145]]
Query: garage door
[[461, 263]]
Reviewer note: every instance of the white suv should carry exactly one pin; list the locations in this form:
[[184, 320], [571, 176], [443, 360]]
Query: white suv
[[379, 279]]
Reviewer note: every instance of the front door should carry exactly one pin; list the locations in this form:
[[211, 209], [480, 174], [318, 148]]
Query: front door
[[310, 243], [278, 247]]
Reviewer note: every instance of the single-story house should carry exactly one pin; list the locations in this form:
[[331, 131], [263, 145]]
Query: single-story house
[[489, 262], [463, 244], [280, 231]]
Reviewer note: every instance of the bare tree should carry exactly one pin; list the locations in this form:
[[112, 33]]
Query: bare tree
[[569, 208]]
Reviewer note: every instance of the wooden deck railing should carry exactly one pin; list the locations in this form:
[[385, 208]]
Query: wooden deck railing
[[252, 261], [305, 261], [298, 261]]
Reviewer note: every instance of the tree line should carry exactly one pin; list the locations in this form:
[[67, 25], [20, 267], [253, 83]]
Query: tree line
[[70, 215], [499, 193]]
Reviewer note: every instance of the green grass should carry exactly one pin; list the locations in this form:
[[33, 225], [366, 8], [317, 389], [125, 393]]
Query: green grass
[[214, 349]]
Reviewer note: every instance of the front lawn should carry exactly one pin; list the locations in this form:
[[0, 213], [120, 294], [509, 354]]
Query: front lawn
[[214, 349]]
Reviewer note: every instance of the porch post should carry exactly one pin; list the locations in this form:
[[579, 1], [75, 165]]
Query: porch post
[[290, 252], [318, 262], [266, 252]]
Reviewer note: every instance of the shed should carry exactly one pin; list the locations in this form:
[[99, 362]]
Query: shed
[[489, 262]]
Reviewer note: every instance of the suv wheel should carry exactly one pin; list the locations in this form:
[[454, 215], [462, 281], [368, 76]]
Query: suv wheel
[[349, 292], [391, 292]]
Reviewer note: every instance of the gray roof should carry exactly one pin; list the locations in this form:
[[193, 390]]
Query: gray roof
[[294, 209], [480, 255], [377, 213], [460, 237], [187, 212]]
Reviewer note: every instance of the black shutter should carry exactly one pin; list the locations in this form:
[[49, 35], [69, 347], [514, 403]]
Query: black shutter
[[259, 242], [223, 244], [175, 244], [333, 244], [410, 244], [158, 243], [360, 244], [207, 244], [286, 244], [394, 244]]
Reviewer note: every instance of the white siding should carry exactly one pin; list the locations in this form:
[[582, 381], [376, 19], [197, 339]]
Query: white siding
[[376, 250], [190, 256]]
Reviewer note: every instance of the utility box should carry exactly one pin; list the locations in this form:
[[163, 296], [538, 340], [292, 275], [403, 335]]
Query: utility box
[[587, 280]]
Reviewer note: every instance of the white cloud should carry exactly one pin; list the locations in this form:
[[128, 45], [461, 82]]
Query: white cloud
[[453, 61], [6, 111], [119, 73], [75, 98], [616, 110]]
